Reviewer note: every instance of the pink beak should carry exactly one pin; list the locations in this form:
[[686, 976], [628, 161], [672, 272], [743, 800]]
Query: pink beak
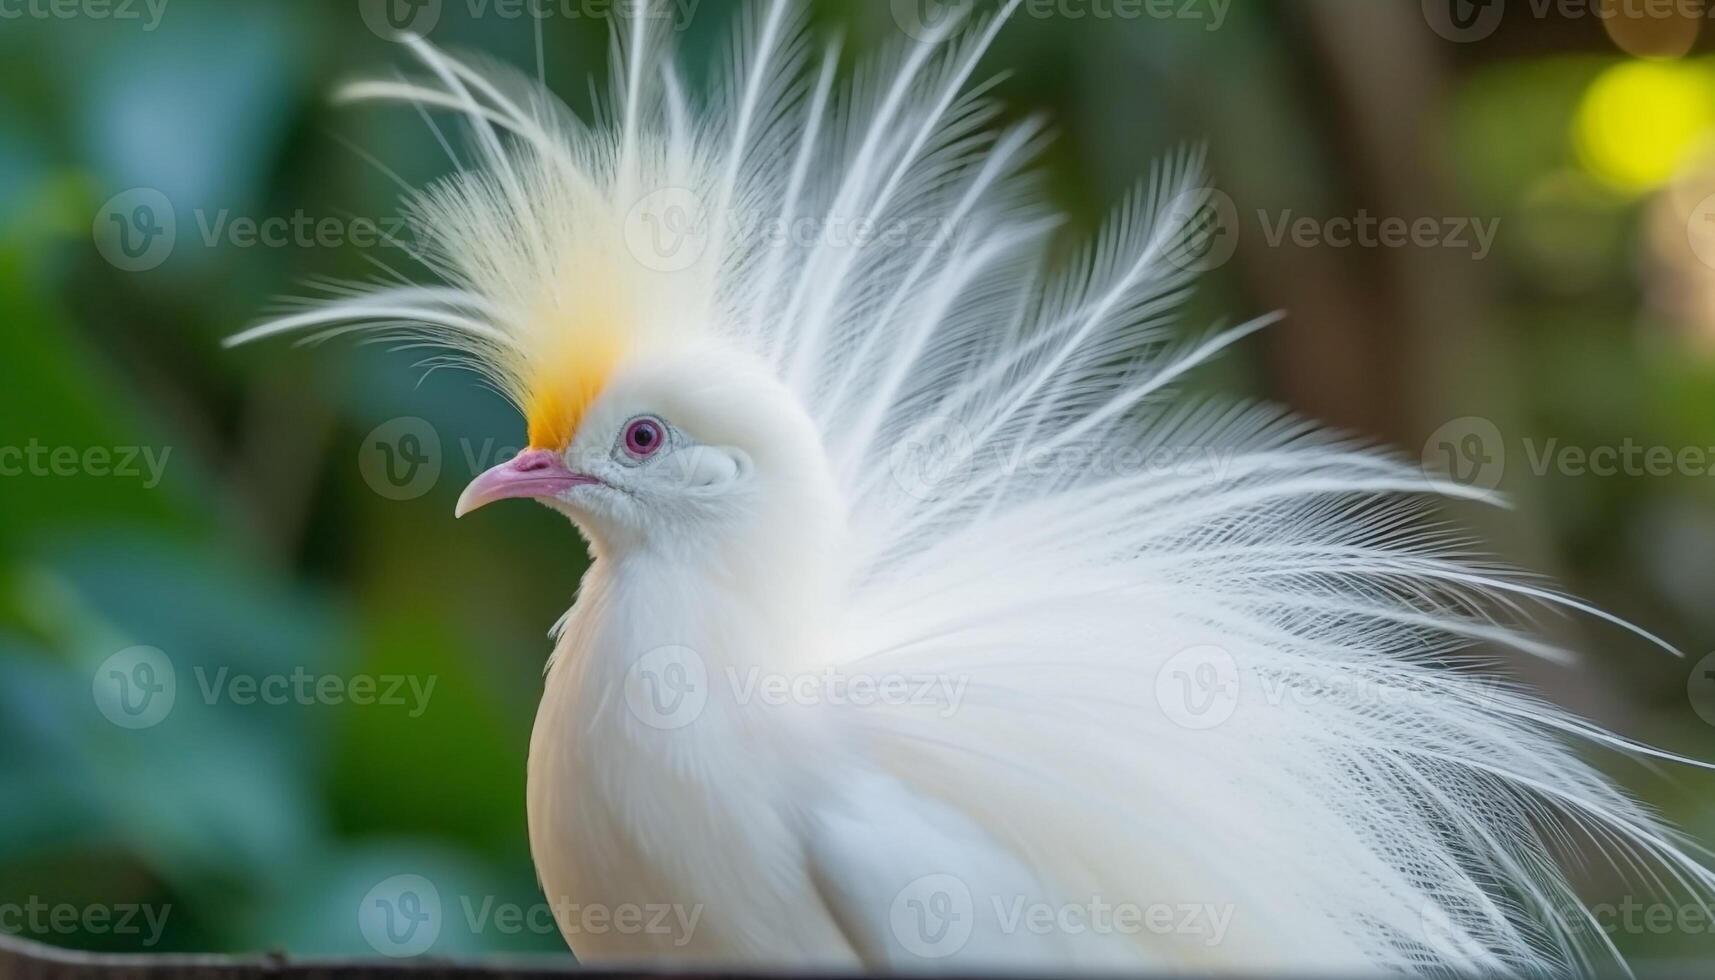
[[533, 473]]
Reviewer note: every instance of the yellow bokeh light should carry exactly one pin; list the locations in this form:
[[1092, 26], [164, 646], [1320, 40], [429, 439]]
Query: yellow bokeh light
[[1642, 120]]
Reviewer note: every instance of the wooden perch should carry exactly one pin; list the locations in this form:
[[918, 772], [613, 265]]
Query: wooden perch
[[21, 959]]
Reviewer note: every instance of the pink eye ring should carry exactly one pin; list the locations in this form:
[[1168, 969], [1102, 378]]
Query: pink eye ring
[[644, 437]]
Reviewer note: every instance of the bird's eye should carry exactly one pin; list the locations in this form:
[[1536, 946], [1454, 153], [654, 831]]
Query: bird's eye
[[644, 437]]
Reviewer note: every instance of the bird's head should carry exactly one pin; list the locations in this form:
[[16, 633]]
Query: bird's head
[[694, 448], [652, 422], [600, 301]]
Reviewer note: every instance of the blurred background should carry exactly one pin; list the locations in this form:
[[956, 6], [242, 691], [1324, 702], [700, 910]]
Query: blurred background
[[253, 676]]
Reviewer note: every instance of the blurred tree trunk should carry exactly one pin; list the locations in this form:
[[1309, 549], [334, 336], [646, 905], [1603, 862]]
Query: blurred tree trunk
[[1386, 342]]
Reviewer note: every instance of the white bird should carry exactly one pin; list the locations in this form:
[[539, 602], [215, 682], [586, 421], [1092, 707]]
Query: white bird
[[926, 627]]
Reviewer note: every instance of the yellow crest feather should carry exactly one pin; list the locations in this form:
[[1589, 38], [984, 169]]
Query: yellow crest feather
[[577, 351]]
